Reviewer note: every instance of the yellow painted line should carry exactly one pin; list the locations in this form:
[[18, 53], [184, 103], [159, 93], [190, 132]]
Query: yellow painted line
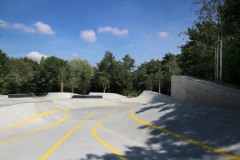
[[37, 130], [113, 100], [197, 143], [104, 143], [112, 112], [30, 119], [143, 98], [65, 137], [46, 127]]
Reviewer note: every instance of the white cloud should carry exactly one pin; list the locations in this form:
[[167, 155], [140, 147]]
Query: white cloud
[[22, 27], [130, 45], [44, 28], [38, 27], [36, 56], [75, 55], [114, 31], [88, 36], [163, 34]]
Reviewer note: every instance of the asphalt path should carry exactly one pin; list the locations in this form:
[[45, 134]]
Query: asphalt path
[[149, 127]]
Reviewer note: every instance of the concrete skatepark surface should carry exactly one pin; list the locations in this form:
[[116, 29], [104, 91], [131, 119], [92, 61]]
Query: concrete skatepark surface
[[151, 126]]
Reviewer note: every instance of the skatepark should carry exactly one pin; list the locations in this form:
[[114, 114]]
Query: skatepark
[[151, 126]]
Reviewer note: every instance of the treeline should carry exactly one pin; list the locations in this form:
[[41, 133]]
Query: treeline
[[23, 75], [219, 20]]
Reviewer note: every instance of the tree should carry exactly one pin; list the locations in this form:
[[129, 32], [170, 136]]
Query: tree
[[81, 73], [128, 62], [3, 72], [158, 79], [22, 71], [3, 64], [197, 55], [62, 77], [50, 71], [146, 74], [103, 80], [210, 11], [170, 67], [230, 16]]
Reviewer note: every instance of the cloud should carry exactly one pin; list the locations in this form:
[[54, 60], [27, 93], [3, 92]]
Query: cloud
[[88, 36], [163, 34], [36, 56], [38, 27], [75, 55], [130, 46], [44, 28], [114, 31]]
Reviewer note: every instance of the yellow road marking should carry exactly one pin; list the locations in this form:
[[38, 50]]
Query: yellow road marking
[[113, 100], [104, 143], [197, 143], [144, 99], [37, 130], [48, 126], [112, 112], [30, 119], [65, 137]]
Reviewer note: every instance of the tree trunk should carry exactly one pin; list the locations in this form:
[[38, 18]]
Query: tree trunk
[[159, 87], [104, 88], [72, 89], [62, 85]]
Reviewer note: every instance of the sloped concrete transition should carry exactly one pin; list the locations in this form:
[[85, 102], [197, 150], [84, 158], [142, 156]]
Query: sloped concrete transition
[[151, 126]]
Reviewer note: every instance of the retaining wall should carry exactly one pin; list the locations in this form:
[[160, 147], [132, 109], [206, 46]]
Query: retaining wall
[[204, 92]]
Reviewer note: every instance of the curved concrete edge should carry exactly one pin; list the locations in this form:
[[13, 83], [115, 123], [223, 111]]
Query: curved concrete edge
[[20, 112], [59, 95], [108, 95], [145, 97]]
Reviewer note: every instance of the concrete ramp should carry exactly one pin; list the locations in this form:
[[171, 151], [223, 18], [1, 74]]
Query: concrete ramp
[[59, 95], [15, 114], [108, 95], [151, 126]]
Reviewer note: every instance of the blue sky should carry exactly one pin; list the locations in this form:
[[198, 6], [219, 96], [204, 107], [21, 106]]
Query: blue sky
[[85, 29]]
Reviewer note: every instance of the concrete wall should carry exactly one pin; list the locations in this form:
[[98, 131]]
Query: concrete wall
[[204, 92]]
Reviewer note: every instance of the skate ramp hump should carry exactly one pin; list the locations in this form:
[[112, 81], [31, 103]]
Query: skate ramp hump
[[59, 95], [108, 95]]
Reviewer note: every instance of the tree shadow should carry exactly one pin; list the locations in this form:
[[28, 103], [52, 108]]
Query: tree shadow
[[216, 127]]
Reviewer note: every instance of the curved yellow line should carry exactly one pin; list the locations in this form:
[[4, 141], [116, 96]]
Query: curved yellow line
[[110, 114], [144, 99], [37, 130], [104, 143], [30, 119], [197, 143], [48, 126], [65, 137]]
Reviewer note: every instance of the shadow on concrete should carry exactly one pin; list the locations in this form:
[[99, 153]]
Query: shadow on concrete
[[217, 127]]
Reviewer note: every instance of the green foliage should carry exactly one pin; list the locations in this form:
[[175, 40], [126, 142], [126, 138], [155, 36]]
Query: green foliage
[[116, 75], [81, 73], [170, 66], [50, 69], [217, 19], [3, 64], [103, 80], [128, 62], [197, 58], [231, 31]]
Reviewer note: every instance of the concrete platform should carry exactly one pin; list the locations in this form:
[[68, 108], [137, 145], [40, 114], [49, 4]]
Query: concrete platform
[[58, 127]]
